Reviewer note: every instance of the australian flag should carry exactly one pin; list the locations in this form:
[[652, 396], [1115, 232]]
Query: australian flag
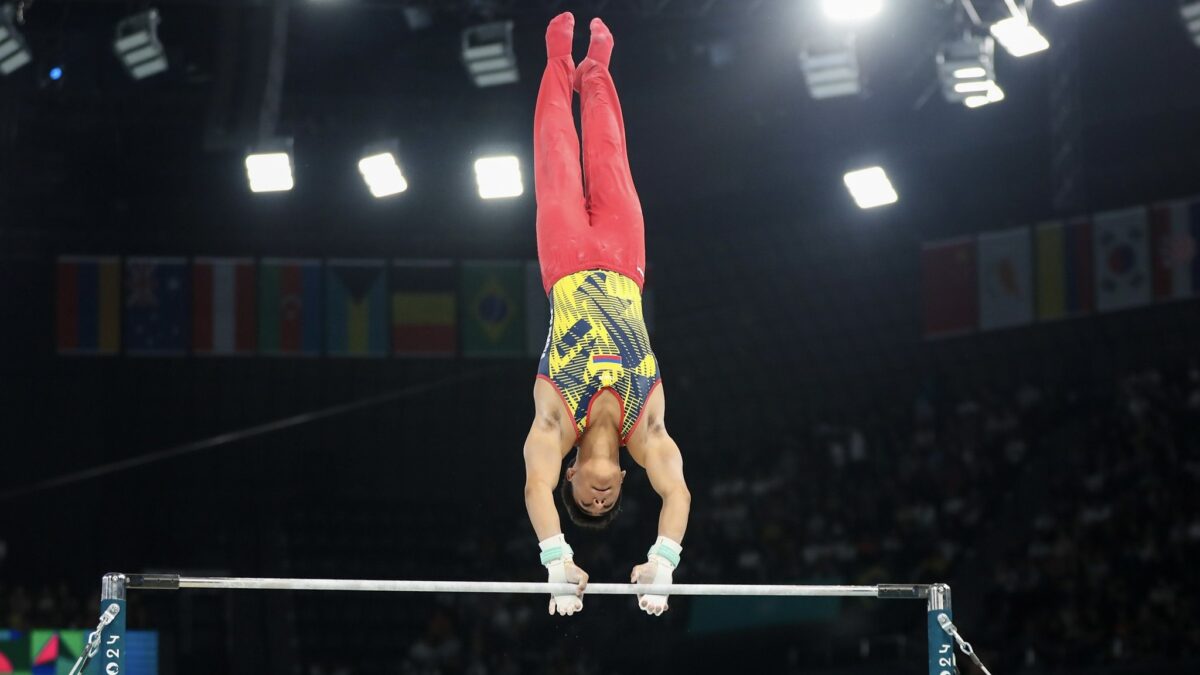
[[157, 299]]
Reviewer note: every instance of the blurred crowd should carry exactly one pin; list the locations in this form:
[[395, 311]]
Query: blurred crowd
[[1067, 521]]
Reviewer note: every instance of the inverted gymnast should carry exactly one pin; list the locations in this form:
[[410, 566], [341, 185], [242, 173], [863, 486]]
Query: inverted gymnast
[[591, 245]]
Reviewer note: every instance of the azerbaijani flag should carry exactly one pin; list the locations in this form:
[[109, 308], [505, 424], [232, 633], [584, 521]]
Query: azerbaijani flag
[[289, 307], [356, 308], [1065, 282], [424, 308], [223, 306], [89, 305]]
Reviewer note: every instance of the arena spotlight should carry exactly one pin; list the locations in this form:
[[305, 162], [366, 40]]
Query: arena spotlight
[[1018, 36], [487, 51], [967, 71], [269, 167], [870, 187], [137, 45], [1064, 3], [830, 66], [14, 52], [499, 177], [1190, 9], [851, 10], [381, 171]]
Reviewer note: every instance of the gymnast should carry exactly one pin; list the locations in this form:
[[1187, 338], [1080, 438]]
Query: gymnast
[[598, 385]]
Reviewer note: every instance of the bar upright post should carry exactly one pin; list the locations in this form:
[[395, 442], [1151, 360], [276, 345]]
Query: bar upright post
[[112, 637], [941, 644]]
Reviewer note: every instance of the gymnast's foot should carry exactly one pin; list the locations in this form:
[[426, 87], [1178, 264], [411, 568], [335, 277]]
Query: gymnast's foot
[[560, 35], [599, 52], [601, 48]]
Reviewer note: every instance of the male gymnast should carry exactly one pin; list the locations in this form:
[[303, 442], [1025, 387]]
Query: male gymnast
[[598, 384]]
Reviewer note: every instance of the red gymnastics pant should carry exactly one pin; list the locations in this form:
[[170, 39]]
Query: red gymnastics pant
[[593, 220]]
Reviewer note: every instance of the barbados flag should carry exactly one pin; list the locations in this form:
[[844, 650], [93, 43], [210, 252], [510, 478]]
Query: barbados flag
[[1065, 282], [289, 307], [356, 322], [88, 307]]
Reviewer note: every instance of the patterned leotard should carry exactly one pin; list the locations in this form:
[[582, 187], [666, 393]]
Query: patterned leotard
[[598, 341]]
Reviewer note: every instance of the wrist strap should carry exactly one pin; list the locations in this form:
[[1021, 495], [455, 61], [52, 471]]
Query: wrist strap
[[667, 549], [555, 548]]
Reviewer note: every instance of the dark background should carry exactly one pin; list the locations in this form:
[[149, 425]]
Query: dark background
[[788, 327]]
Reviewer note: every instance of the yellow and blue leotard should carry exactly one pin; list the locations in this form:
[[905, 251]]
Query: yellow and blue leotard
[[598, 341]]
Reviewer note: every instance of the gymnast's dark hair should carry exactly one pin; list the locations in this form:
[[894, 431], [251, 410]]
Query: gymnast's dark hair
[[580, 517]]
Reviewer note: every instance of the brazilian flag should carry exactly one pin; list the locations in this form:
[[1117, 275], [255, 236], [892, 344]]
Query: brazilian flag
[[492, 309]]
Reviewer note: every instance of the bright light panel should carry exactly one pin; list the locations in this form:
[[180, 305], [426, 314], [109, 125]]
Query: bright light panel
[[499, 177], [1190, 11], [852, 10], [1019, 37], [994, 95], [1064, 3], [269, 171], [382, 175], [870, 188]]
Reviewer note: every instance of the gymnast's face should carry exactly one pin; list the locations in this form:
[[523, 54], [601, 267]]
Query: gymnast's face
[[596, 484]]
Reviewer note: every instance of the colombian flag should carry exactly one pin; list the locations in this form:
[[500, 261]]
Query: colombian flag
[[1065, 283], [89, 305], [356, 308], [424, 308]]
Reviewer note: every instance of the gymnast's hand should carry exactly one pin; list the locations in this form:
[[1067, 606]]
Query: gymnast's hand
[[559, 560], [566, 571], [658, 569]]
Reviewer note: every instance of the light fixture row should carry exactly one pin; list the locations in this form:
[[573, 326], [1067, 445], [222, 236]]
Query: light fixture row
[[136, 44], [270, 168]]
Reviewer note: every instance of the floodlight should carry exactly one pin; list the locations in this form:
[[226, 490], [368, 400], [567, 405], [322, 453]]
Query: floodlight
[[1019, 37], [851, 10], [499, 177], [1190, 10], [870, 187], [269, 167], [488, 53], [830, 66], [967, 71], [381, 170], [138, 47], [14, 51]]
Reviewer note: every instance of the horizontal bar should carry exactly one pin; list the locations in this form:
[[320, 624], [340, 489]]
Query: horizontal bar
[[171, 582]]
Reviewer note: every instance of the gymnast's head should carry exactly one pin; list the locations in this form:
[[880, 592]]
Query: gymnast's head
[[591, 486]]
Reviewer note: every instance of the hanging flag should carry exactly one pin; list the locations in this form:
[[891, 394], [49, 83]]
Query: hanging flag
[[88, 306], [1174, 234], [1122, 251], [1005, 267], [424, 308], [492, 296], [156, 306], [537, 311], [356, 321], [223, 307], [1064, 269], [948, 281], [289, 307]]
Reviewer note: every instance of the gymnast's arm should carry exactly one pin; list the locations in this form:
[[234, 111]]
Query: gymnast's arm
[[664, 467], [543, 461]]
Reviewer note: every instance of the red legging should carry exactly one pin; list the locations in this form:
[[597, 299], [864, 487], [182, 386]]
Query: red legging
[[593, 221]]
